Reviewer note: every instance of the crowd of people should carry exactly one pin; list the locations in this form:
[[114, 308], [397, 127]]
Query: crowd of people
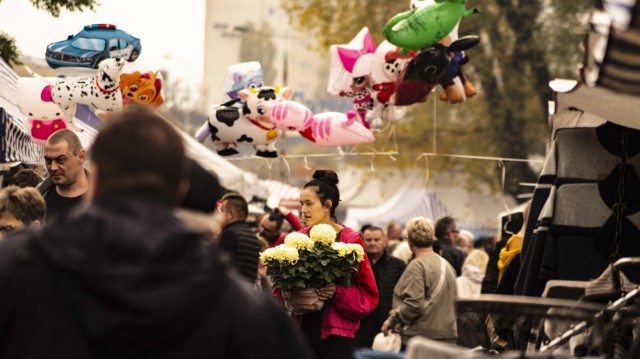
[[132, 249]]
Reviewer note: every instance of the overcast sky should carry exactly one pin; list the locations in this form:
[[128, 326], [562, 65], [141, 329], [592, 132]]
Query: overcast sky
[[171, 32]]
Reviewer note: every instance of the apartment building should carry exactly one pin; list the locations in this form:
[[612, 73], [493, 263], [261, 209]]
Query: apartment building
[[294, 64]]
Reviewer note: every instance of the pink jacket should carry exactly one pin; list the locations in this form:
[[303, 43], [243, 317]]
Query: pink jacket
[[341, 315]]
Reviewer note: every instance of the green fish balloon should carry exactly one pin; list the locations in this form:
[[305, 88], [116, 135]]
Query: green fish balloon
[[419, 28]]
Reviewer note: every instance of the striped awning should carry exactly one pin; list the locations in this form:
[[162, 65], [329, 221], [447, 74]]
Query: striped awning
[[281, 194], [15, 143]]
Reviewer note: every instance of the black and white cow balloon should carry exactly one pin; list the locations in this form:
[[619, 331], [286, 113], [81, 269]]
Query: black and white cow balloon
[[230, 126]]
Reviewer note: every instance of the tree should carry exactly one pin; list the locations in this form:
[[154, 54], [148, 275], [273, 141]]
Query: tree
[[524, 44], [8, 48], [259, 46]]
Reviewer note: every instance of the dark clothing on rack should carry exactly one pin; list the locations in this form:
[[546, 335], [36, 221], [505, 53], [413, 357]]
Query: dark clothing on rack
[[490, 280], [588, 213]]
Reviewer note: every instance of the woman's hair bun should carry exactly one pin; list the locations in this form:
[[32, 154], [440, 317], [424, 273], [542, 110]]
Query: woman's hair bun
[[327, 176]]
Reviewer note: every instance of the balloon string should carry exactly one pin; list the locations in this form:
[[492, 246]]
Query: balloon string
[[426, 158], [435, 125], [269, 166], [392, 133], [503, 181], [306, 164], [487, 158], [340, 154], [286, 164]]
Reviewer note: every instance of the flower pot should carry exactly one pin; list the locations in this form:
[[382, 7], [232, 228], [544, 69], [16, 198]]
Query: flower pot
[[303, 301]]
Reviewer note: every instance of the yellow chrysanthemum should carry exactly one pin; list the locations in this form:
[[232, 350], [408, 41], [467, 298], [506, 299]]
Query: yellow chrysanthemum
[[355, 248], [299, 241], [340, 248], [323, 233], [281, 253], [267, 254]]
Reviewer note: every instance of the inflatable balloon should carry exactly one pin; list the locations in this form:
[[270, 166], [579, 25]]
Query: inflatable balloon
[[463, 87], [456, 84], [419, 28], [142, 88], [386, 65], [240, 76], [345, 60], [452, 35], [336, 129], [230, 126], [323, 129], [429, 68], [101, 91], [43, 118]]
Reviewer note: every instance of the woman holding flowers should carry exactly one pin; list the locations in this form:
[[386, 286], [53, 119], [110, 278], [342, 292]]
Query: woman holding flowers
[[331, 330]]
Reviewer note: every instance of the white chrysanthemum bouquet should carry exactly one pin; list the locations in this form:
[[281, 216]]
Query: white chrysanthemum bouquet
[[312, 261]]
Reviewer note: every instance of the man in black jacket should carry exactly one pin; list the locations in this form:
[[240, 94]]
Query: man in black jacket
[[447, 233], [125, 278], [387, 270], [237, 238]]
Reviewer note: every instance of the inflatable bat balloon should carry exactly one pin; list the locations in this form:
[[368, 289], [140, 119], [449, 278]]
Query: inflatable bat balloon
[[430, 68], [419, 28], [323, 129], [456, 85], [43, 118], [230, 126], [463, 87]]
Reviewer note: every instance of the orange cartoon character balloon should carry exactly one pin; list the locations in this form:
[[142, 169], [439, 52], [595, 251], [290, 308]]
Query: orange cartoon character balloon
[[142, 88]]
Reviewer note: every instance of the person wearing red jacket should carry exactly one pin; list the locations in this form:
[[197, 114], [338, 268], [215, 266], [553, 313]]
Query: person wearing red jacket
[[332, 330]]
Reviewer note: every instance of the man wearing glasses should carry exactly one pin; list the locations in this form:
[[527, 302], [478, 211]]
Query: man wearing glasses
[[447, 233]]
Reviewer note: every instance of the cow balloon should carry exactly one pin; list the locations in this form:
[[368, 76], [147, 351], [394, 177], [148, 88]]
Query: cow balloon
[[230, 126]]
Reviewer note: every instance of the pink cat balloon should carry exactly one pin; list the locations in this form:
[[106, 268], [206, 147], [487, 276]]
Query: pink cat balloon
[[323, 129]]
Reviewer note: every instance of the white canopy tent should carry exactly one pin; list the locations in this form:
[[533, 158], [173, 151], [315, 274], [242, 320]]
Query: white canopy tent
[[403, 196]]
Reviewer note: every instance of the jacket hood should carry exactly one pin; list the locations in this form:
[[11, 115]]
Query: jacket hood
[[136, 279], [473, 273]]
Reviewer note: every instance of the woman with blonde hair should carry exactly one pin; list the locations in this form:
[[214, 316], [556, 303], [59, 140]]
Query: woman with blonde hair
[[473, 270], [424, 298]]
